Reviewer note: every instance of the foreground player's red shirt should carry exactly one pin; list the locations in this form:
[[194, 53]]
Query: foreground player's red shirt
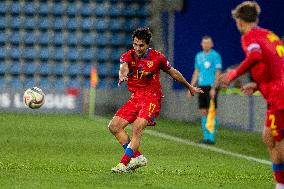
[[265, 60], [144, 73]]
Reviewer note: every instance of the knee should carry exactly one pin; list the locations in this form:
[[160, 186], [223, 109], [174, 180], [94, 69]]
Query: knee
[[113, 128]]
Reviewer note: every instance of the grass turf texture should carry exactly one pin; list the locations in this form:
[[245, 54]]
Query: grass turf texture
[[71, 151]]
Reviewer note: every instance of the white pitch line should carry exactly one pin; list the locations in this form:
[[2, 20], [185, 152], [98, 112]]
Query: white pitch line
[[211, 148]]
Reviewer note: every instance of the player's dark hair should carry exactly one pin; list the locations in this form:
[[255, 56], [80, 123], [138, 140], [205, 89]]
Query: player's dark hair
[[207, 37], [247, 11], [143, 34]]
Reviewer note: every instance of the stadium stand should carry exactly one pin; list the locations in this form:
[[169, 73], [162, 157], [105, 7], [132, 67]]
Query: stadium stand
[[53, 44]]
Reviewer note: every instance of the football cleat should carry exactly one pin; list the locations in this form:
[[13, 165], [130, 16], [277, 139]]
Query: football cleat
[[137, 162], [120, 168]]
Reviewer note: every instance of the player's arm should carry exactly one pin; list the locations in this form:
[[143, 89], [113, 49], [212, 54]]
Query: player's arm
[[251, 58], [194, 77], [175, 74], [123, 71], [249, 88]]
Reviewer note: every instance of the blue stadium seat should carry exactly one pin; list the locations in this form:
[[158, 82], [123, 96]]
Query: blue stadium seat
[[45, 68], [74, 69], [73, 39], [15, 53], [58, 39], [58, 54], [15, 38], [115, 69], [74, 82], [16, 8], [101, 10], [71, 9], [3, 38], [44, 8], [3, 22], [30, 8], [73, 54], [131, 10], [3, 52], [118, 39], [44, 38], [101, 24], [72, 24], [30, 23], [88, 24], [87, 84], [45, 83], [59, 83], [142, 11], [3, 67], [86, 10], [30, 38], [29, 68], [59, 24], [115, 54], [29, 82], [88, 39], [102, 39], [102, 70], [16, 83], [3, 82], [131, 24], [15, 68], [30, 53], [116, 10], [102, 54], [87, 69], [88, 55], [102, 84], [59, 69], [4, 7], [44, 53], [116, 24], [44, 23], [58, 9]]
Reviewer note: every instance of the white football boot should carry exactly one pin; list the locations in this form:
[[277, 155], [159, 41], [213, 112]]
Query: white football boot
[[120, 168], [137, 162]]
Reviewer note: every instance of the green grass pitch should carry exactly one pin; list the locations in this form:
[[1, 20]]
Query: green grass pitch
[[73, 151]]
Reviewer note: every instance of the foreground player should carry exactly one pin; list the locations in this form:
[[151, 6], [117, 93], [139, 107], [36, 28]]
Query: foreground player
[[140, 67], [265, 61]]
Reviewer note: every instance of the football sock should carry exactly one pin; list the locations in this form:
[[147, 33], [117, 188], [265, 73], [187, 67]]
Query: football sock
[[136, 153], [127, 156], [203, 124], [211, 136], [278, 170]]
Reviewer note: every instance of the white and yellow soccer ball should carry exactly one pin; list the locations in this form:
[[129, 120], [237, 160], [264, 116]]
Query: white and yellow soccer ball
[[34, 98]]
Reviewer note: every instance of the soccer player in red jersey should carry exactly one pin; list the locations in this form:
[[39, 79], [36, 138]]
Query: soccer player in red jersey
[[140, 67], [265, 61]]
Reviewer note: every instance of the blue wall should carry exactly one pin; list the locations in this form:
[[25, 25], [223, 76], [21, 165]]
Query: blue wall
[[207, 17]]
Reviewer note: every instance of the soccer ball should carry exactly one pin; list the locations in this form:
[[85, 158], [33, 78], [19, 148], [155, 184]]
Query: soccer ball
[[34, 98]]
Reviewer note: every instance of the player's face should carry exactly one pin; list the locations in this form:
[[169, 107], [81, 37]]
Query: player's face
[[239, 24], [206, 44], [140, 47]]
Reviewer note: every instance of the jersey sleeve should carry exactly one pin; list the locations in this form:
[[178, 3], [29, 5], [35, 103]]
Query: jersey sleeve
[[253, 53], [165, 64], [218, 62], [125, 58]]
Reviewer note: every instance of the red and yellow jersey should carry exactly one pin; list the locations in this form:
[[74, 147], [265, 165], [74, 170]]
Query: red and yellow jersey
[[266, 65], [144, 73]]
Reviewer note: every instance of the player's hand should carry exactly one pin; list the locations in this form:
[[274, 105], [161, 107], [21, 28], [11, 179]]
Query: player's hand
[[223, 80], [212, 92], [249, 88], [122, 78], [194, 90]]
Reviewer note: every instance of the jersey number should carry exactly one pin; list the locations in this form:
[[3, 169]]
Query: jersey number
[[279, 48], [272, 125], [151, 109]]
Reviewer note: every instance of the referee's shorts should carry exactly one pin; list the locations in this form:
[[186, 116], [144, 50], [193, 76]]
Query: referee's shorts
[[204, 98]]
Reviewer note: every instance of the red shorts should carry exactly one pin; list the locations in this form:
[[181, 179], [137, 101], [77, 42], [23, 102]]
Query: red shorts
[[147, 108], [275, 121]]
